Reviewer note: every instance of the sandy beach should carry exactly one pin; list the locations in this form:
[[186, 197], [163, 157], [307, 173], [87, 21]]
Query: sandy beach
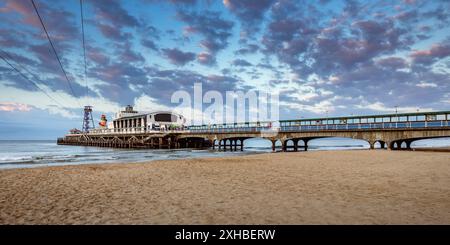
[[322, 187]]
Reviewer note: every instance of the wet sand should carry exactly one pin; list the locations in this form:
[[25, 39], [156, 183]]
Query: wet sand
[[322, 187]]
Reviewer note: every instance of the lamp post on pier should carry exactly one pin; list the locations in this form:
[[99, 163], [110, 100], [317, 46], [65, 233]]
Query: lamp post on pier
[[396, 116]]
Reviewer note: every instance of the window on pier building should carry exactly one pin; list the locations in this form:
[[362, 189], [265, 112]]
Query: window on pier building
[[165, 117]]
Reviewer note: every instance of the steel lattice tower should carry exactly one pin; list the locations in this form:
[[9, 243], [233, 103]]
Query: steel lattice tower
[[88, 121]]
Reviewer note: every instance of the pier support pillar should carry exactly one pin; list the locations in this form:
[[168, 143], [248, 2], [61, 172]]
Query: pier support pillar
[[408, 145], [242, 144], [160, 143], [235, 145], [295, 144], [372, 145], [394, 145], [388, 146], [273, 145]]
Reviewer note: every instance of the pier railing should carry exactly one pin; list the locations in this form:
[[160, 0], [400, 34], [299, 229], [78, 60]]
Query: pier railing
[[291, 128], [404, 125], [136, 130], [330, 127]]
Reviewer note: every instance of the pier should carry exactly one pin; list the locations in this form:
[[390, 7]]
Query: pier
[[391, 131]]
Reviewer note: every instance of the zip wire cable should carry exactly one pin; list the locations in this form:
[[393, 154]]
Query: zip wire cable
[[53, 48], [28, 79], [84, 48], [33, 76]]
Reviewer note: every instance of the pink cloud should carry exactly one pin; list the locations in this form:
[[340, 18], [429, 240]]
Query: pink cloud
[[437, 51], [25, 9], [12, 106], [206, 58]]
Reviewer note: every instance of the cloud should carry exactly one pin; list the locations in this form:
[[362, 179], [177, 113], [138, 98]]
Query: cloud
[[25, 9], [149, 44], [97, 55], [112, 32], [379, 106], [12, 106], [184, 2], [39, 100], [178, 57], [127, 54], [168, 81], [205, 58], [250, 12], [426, 85], [248, 49], [177, 3], [241, 62], [114, 13], [60, 22], [12, 38], [409, 16], [430, 56], [116, 80], [150, 35], [392, 62], [210, 26]]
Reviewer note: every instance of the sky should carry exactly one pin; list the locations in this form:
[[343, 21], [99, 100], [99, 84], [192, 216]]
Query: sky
[[323, 57]]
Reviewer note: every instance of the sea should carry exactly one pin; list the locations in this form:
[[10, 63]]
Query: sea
[[38, 153]]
